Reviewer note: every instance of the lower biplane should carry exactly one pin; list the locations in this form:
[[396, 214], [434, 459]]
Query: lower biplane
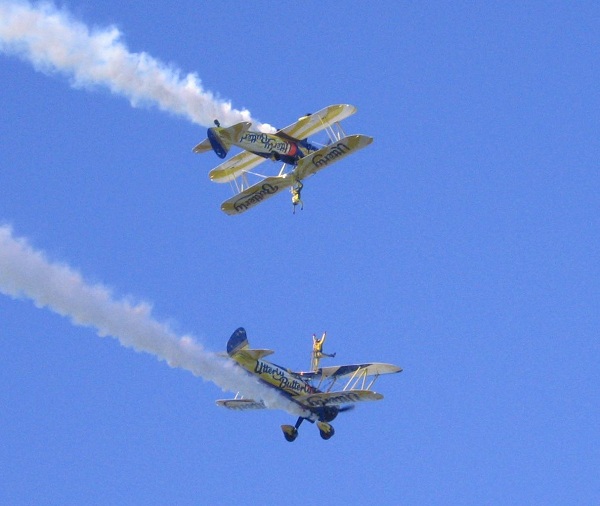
[[290, 146], [313, 391]]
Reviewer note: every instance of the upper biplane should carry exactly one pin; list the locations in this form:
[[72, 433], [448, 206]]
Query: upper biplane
[[321, 393], [290, 146]]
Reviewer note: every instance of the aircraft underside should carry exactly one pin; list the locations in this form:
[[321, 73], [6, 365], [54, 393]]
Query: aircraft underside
[[290, 432]]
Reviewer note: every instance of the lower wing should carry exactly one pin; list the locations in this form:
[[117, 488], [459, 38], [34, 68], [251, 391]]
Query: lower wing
[[255, 194], [241, 404], [336, 398], [318, 160]]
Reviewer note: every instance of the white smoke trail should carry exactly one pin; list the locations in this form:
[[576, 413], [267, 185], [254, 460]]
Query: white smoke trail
[[55, 42], [25, 272]]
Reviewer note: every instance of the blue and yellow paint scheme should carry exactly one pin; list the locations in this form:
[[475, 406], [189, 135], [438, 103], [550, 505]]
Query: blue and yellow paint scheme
[[321, 404], [289, 145]]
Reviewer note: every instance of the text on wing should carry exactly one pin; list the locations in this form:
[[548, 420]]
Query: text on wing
[[341, 398], [247, 201], [337, 151]]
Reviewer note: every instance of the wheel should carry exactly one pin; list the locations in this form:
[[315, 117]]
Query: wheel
[[325, 430], [289, 432]]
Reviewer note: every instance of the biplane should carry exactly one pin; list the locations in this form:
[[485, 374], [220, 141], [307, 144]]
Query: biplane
[[290, 146], [322, 393]]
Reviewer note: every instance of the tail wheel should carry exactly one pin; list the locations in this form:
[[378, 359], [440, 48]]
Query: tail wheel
[[325, 430], [289, 432]]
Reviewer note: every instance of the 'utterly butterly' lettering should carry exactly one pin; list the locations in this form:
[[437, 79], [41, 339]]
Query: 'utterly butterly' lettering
[[247, 201], [334, 152], [264, 143], [281, 378]]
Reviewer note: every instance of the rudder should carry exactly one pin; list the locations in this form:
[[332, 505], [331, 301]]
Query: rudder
[[221, 138], [237, 342]]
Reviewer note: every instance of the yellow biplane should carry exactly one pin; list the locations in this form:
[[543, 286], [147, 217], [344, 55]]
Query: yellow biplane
[[289, 146], [313, 391]]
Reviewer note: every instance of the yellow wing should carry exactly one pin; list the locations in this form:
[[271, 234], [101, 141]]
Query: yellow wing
[[241, 404], [336, 398], [255, 194], [351, 371], [324, 157], [374, 369], [312, 123]]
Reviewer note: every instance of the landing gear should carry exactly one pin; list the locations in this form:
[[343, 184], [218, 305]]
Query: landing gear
[[325, 430], [289, 432]]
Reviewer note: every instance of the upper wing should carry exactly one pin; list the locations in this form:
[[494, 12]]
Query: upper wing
[[337, 398], [235, 166], [340, 371], [313, 123]]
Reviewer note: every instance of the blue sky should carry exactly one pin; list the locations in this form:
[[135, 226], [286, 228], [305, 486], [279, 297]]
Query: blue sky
[[461, 245]]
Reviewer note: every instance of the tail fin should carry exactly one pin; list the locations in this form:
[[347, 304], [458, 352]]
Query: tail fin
[[221, 138], [237, 342]]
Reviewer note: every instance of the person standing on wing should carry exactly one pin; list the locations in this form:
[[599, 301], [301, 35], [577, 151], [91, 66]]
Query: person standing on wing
[[317, 353]]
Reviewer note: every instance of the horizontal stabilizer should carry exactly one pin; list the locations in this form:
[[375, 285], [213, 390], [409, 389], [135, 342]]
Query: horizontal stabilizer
[[238, 345], [241, 404], [256, 354], [337, 398], [203, 147], [220, 139], [313, 163], [255, 194]]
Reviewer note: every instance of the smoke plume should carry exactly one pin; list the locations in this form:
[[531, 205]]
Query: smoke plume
[[54, 42], [26, 273]]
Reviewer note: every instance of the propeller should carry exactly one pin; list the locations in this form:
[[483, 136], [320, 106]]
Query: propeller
[[328, 413]]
